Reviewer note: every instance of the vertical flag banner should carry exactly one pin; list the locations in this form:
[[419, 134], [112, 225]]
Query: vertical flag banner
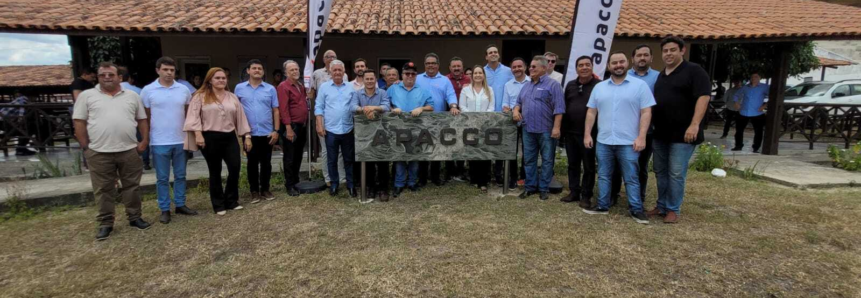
[[593, 26], [318, 17]]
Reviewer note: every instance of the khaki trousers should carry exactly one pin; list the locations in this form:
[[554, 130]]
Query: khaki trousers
[[105, 170]]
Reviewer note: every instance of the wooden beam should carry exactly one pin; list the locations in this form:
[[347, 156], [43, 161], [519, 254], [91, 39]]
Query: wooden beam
[[80, 54], [775, 99]]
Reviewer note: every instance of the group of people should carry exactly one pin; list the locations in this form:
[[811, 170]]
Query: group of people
[[616, 126]]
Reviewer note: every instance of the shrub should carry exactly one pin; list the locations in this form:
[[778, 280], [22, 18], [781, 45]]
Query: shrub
[[847, 159], [708, 157]]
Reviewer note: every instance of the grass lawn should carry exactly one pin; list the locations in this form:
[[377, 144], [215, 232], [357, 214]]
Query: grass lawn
[[736, 238]]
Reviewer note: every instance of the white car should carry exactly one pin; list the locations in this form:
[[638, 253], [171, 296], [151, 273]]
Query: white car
[[837, 93]]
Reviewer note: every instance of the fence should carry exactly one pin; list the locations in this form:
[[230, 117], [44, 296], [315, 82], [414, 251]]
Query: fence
[[42, 123], [817, 121]]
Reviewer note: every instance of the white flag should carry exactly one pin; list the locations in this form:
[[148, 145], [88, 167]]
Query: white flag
[[318, 17], [595, 22]]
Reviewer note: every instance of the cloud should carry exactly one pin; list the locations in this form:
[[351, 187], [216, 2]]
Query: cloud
[[34, 49]]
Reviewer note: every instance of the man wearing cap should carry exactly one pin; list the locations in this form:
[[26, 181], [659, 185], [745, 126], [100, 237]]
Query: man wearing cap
[[408, 97]]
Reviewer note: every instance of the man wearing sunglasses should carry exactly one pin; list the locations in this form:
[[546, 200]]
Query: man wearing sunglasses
[[551, 61]]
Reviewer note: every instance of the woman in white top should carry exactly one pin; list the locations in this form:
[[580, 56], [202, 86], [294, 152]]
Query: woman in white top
[[477, 97]]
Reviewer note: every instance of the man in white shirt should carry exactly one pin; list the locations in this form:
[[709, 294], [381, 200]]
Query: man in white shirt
[[551, 59], [166, 102]]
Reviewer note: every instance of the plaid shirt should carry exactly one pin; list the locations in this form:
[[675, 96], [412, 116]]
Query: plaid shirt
[[10, 111]]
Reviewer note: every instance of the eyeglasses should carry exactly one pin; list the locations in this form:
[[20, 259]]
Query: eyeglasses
[[409, 74], [330, 57], [551, 61], [107, 75]]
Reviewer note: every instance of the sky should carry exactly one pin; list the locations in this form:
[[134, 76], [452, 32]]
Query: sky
[[34, 49]]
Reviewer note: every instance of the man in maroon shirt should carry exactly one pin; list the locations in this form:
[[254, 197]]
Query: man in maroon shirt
[[293, 107], [458, 79]]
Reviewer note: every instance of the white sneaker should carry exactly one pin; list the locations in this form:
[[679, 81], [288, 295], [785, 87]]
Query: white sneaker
[[221, 213], [238, 207]]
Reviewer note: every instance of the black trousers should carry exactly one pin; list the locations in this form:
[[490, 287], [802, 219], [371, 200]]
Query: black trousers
[[222, 146], [758, 128], [729, 118], [259, 164], [579, 155], [479, 172], [454, 169], [499, 165], [377, 174], [434, 167], [293, 153], [645, 156]]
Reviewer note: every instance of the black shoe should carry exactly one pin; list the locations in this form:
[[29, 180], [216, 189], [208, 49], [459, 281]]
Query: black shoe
[[736, 148], [333, 190], [526, 194], [512, 185], [384, 196], [293, 192], [415, 188], [723, 137], [104, 233], [184, 210], [438, 182], [147, 167], [614, 200], [165, 217], [596, 210], [640, 217], [570, 198], [756, 150], [543, 196], [422, 184], [353, 192], [140, 224], [397, 192], [371, 193]]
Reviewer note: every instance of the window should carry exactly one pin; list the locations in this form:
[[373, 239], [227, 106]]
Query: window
[[840, 91], [856, 89]]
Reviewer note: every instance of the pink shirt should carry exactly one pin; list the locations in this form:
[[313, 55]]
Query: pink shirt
[[225, 116]]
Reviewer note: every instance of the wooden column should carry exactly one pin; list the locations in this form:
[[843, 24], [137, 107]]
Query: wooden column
[[774, 116], [80, 53]]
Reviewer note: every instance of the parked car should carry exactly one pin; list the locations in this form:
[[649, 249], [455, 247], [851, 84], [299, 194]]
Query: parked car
[[842, 92]]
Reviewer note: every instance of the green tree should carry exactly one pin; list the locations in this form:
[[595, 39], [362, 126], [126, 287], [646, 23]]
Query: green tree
[[744, 58]]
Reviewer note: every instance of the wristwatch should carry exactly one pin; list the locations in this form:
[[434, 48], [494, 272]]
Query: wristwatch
[[452, 106]]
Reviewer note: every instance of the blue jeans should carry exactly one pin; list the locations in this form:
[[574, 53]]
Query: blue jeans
[[343, 144], [401, 173], [671, 170], [165, 156], [628, 159], [533, 144]]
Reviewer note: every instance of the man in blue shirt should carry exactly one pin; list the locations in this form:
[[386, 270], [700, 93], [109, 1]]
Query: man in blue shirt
[[260, 102], [625, 105], [408, 97], [444, 98], [510, 93], [542, 106], [381, 82], [166, 102], [373, 101], [642, 69], [334, 110], [497, 75], [750, 103]]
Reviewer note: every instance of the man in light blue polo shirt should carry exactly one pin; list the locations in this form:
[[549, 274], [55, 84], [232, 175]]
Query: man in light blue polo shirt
[[444, 98], [497, 75], [642, 69], [750, 103], [509, 100], [260, 102], [625, 107], [334, 110], [407, 97], [166, 102]]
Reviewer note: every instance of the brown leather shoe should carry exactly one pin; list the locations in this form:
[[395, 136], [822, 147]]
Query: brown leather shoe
[[585, 203], [671, 217], [255, 198], [654, 212]]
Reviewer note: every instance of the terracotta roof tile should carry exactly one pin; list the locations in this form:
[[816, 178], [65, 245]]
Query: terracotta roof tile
[[828, 62], [704, 19], [35, 76]]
